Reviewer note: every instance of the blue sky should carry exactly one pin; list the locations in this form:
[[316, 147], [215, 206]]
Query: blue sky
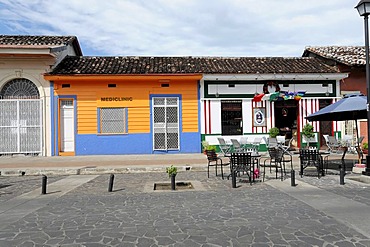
[[189, 27]]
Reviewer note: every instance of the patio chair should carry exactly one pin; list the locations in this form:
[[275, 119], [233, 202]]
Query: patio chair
[[286, 147], [242, 163], [214, 160], [346, 140], [224, 147], [270, 141], [280, 139], [311, 157], [236, 146], [275, 160], [333, 144], [244, 142], [256, 143]]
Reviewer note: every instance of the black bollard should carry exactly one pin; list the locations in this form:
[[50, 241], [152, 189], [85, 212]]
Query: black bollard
[[110, 186], [292, 178], [233, 179], [341, 177], [43, 185], [173, 181]]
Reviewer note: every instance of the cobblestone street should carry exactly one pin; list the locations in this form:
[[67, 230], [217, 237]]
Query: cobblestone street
[[215, 215]]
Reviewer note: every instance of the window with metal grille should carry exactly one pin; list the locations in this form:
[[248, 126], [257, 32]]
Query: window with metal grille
[[113, 120], [231, 117]]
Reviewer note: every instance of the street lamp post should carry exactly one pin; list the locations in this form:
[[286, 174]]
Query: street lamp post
[[363, 8]]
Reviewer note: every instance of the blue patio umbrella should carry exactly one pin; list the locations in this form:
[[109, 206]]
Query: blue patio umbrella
[[351, 107]]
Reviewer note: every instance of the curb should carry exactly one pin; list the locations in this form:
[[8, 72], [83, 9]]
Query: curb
[[95, 170]]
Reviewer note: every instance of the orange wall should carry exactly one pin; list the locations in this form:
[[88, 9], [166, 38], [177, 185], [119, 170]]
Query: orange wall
[[90, 92]]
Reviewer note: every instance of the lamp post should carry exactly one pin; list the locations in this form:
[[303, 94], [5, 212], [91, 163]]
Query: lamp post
[[363, 8]]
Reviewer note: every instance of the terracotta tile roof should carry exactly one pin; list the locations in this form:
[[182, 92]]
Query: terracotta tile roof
[[38, 41], [349, 55], [190, 65]]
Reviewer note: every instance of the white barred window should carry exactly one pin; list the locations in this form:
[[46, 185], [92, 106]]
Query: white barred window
[[113, 120]]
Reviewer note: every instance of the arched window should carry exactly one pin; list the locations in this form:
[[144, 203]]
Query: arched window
[[20, 89]]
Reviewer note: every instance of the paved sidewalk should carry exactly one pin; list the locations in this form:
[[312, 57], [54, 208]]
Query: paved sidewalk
[[100, 164]]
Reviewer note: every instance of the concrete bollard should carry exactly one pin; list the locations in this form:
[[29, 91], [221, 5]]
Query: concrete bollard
[[43, 184], [110, 186]]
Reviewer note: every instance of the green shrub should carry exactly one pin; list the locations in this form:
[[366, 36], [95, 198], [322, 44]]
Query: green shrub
[[365, 145], [273, 132], [171, 170], [205, 145], [308, 131], [211, 148]]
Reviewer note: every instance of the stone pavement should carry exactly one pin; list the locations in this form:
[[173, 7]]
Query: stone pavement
[[78, 211]]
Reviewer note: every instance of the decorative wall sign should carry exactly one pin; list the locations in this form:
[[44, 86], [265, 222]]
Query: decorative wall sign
[[259, 117], [271, 87]]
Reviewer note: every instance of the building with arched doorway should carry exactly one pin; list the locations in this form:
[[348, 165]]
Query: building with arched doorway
[[25, 94]]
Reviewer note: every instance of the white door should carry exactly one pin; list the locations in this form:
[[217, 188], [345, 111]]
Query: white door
[[67, 126]]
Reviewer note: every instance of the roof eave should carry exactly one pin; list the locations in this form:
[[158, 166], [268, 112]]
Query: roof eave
[[85, 77]]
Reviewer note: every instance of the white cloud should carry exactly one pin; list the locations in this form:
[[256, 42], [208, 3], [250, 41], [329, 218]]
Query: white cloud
[[189, 27]]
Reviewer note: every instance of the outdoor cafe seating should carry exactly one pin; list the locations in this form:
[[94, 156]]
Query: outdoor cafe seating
[[225, 148], [214, 160], [237, 147], [275, 160], [242, 164], [312, 158]]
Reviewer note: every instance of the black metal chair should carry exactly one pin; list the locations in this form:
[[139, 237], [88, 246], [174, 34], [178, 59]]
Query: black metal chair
[[242, 163], [214, 160], [275, 160], [311, 157]]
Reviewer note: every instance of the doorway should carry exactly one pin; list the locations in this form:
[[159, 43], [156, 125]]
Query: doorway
[[67, 127], [286, 117], [326, 127], [166, 123]]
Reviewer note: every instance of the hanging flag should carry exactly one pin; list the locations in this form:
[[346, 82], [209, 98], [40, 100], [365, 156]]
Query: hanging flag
[[274, 96], [258, 97]]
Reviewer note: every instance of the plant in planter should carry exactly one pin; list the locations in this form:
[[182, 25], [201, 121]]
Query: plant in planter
[[205, 146], [211, 148], [274, 132], [308, 134], [365, 148], [172, 171]]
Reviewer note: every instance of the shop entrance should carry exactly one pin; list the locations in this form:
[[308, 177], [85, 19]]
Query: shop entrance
[[286, 117], [326, 127], [166, 123], [67, 127]]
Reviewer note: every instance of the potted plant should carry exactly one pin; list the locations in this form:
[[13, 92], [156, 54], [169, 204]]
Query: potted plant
[[308, 134], [212, 148], [274, 132], [172, 171], [205, 146], [365, 148]]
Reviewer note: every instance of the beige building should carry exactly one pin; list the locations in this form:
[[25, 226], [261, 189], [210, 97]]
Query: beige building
[[25, 121]]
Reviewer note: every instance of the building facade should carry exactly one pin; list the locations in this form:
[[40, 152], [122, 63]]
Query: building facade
[[25, 94], [134, 105], [350, 60], [230, 109], [124, 105]]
